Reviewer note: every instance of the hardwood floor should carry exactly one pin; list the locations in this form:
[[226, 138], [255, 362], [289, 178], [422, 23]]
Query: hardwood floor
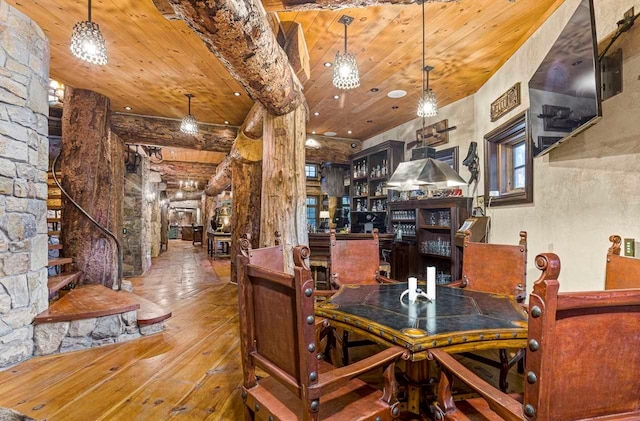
[[190, 371]]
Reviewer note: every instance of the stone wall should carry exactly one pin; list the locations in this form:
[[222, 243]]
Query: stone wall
[[136, 239], [51, 338], [24, 72]]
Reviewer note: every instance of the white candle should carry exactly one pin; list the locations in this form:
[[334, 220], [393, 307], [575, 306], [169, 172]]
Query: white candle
[[413, 286], [431, 282]]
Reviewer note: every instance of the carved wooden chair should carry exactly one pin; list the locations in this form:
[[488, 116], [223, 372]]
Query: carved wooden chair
[[269, 257], [500, 269], [622, 272], [277, 330], [354, 262], [582, 364]]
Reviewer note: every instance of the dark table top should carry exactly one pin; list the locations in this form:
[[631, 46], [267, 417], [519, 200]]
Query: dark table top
[[459, 319]]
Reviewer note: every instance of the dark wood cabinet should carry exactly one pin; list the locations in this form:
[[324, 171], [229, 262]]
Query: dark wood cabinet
[[432, 224], [403, 260], [370, 198]]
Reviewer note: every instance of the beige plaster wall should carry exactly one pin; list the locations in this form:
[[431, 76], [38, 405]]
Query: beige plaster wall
[[585, 189]]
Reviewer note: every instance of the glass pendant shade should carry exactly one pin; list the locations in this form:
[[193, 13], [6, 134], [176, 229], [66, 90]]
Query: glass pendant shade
[[428, 105], [345, 71], [87, 43], [189, 125]]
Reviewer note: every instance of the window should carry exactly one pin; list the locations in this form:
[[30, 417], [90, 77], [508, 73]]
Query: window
[[311, 170], [509, 164], [450, 156], [312, 213]]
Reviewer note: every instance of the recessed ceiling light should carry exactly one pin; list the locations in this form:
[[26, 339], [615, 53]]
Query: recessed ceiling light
[[236, 93], [398, 93], [395, 107], [330, 134], [375, 89], [128, 108], [226, 122], [328, 64], [336, 97], [349, 132], [316, 114], [369, 121], [313, 132]]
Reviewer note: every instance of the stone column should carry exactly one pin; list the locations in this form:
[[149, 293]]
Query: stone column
[[24, 72], [137, 220]]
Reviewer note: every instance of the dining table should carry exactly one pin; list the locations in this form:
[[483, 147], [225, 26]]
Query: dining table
[[457, 320]]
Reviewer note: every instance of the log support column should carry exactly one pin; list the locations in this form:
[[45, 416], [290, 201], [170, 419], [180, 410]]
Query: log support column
[[284, 182], [93, 174]]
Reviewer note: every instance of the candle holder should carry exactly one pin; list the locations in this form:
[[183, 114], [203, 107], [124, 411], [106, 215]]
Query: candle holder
[[414, 292]]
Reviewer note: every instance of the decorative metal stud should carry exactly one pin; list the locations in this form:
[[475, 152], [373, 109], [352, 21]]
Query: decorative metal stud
[[395, 411], [311, 347], [449, 340], [378, 419], [481, 336], [257, 407], [244, 395], [320, 356], [270, 417], [435, 343], [314, 405], [310, 320], [464, 339], [529, 410], [536, 312], [438, 414], [531, 377], [313, 376], [497, 336], [308, 292], [534, 345]]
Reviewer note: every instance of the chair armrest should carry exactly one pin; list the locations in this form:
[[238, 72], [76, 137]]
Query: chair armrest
[[335, 379], [385, 280], [500, 403]]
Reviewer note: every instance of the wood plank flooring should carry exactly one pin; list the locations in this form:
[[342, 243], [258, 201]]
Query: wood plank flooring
[[190, 371]]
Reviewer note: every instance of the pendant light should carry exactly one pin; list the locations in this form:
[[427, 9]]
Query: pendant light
[[189, 124], [345, 69], [427, 105], [87, 42]]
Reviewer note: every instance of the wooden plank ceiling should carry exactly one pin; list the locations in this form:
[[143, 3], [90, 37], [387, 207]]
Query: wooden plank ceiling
[[153, 61]]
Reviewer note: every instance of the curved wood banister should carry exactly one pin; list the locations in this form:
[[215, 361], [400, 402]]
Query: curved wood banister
[[96, 223]]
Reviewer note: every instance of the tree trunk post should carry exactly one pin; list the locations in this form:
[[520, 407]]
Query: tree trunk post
[[284, 182], [93, 174]]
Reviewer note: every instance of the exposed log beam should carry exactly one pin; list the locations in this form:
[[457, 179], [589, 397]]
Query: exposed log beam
[[301, 5], [144, 130], [332, 150], [239, 34], [246, 148], [194, 195], [296, 49], [172, 171]]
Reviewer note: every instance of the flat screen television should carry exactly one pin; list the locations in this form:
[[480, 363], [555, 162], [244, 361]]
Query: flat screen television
[[564, 92]]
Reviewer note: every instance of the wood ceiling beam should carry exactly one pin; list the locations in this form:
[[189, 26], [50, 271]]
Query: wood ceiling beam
[[174, 171], [303, 5], [331, 150], [239, 34], [145, 130]]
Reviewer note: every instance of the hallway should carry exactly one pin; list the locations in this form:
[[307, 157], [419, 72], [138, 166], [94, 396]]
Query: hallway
[[191, 370]]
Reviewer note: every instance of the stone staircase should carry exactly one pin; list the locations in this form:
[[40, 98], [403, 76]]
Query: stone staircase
[[61, 271]]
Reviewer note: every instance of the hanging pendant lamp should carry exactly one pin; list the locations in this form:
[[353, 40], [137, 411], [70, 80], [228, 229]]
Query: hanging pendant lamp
[[189, 124], [87, 42], [345, 69], [428, 104]]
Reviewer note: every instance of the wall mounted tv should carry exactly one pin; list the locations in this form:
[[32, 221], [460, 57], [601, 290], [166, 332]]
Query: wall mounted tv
[[564, 92]]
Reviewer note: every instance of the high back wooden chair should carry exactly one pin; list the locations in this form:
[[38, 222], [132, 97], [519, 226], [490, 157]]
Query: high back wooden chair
[[354, 261], [622, 272], [277, 330], [269, 257], [501, 269], [582, 364], [495, 268]]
